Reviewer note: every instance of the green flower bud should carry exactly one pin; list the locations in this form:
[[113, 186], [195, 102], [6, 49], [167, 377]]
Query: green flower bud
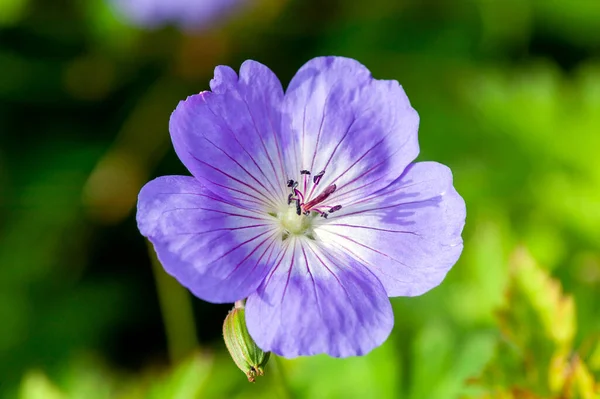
[[244, 352]]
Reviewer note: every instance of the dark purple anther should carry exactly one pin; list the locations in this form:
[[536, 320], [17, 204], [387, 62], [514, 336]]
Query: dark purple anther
[[305, 172], [298, 207], [335, 208], [290, 183], [318, 177]]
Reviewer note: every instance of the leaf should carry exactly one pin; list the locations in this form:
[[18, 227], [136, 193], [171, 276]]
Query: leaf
[[36, 385], [556, 311], [538, 326], [376, 375], [185, 381]]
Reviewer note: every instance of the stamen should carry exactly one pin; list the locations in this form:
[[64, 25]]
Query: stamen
[[335, 208], [316, 204], [321, 197], [318, 177], [293, 186], [299, 194]]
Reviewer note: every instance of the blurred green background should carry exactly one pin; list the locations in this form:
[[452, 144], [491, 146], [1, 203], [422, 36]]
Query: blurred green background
[[509, 97]]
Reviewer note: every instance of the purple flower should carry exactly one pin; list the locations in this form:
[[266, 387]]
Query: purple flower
[[306, 203], [188, 14]]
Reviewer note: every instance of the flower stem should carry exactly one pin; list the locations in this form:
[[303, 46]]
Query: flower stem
[[283, 388], [176, 308]]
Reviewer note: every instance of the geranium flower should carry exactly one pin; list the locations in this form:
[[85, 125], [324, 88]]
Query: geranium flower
[[305, 203], [187, 14]]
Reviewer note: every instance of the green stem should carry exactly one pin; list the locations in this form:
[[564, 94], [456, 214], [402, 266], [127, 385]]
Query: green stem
[[176, 308], [279, 375]]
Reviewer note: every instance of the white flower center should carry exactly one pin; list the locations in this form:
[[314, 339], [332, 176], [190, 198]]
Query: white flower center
[[305, 202], [293, 223]]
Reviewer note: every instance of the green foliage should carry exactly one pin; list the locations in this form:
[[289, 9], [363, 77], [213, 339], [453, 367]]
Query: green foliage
[[536, 355], [508, 93]]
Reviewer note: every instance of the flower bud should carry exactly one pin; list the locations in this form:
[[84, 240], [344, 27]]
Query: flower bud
[[244, 352]]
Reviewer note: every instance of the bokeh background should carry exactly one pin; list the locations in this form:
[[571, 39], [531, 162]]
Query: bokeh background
[[509, 97]]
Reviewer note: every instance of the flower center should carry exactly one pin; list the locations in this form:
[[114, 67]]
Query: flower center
[[293, 223], [304, 204]]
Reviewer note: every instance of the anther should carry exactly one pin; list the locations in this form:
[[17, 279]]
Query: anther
[[324, 215], [293, 186], [318, 177], [291, 198], [298, 207], [335, 208], [290, 183], [305, 172]]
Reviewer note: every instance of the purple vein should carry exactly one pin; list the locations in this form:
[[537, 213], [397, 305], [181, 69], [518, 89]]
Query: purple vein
[[269, 200], [368, 264], [280, 179], [279, 151], [373, 228], [260, 244], [339, 143], [354, 119], [301, 163], [287, 281], [216, 199], [388, 207], [241, 146], [229, 251], [212, 210], [243, 168], [283, 252], [313, 281], [337, 197], [370, 248], [222, 229], [270, 246], [312, 163], [328, 269], [258, 199], [388, 192], [357, 161]]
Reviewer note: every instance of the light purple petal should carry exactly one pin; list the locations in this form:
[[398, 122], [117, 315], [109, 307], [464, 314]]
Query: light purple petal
[[319, 301], [408, 234], [361, 131], [217, 248], [229, 138]]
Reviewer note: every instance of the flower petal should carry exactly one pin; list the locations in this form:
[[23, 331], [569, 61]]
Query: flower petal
[[217, 248], [361, 131], [229, 138], [408, 234], [188, 14], [318, 300]]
